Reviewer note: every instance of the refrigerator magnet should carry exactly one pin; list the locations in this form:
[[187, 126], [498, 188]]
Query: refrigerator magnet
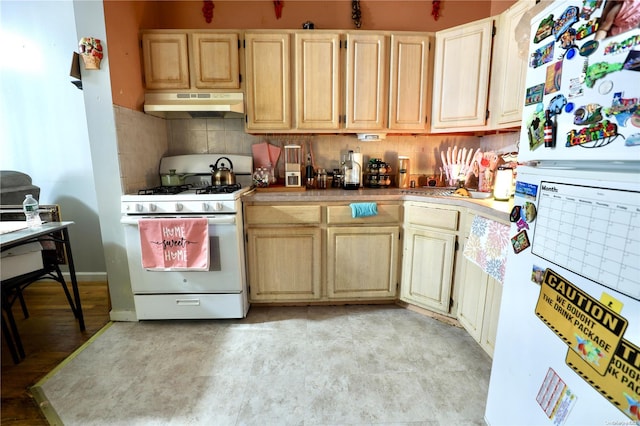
[[520, 241], [605, 87], [623, 109], [588, 28], [544, 29], [587, 114], [514, 216], [598, 70], [534, 94], [537, 273], [588, 48], [633, 140], [632, 62], [594, 136], [554, 78], [566, 20], [529, 212], [568, 39], [542, 55], [522, 224]]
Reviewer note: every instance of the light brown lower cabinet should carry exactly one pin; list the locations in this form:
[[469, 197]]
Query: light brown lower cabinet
[[479, 305], [311, 253], [284, 263], [479, 296], [428, 257], [362, 262]]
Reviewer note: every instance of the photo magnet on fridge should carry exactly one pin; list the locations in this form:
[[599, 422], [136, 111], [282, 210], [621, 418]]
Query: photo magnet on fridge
[[554, 78], [534, 94], [520, 241]]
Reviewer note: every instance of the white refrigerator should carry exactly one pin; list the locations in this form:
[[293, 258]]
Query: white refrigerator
[[568, 341]]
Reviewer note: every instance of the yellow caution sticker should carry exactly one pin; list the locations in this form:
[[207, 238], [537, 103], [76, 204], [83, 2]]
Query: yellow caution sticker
[[621, 383], [611, 302], [588, 327]]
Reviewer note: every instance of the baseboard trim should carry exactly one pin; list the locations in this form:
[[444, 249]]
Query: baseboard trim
[[124, 316], [83, 276], [87, 276]]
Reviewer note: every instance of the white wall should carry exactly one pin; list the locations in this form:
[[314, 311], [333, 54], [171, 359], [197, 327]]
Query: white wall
[[64, 138], [43, 129]]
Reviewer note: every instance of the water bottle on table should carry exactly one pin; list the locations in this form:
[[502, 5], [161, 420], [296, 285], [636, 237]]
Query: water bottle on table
[[30, 207]]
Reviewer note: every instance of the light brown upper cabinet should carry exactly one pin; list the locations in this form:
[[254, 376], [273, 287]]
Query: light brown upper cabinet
[[268, 87], [366, 81], [410, 83], [317, 80], [166, 60], [508, 70], [215, 58], [461, 76], [176, 59]]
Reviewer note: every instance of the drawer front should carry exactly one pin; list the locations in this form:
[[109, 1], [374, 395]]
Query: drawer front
[[287, 215], [387, 213], [433, 217], [190, 306]]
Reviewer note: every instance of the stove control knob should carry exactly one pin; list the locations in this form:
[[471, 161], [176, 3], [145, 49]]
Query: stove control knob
[[205, 207], [217, 206], [179, 207], [139, 207], [152, 207]]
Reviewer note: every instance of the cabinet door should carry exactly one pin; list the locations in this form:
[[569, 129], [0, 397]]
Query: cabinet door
[[491, 316], [471, 298], [409, 82], [166, 61], [268, 81], [362, 262], [508, 70], [366, 81], [317, 78], [461, 75], [215, 60], [284, 263], [427, 268]]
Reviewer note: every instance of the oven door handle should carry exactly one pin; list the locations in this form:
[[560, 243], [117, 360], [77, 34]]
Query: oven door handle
[[221, 219]]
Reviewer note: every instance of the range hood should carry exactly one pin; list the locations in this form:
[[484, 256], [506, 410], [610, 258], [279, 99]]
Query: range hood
[[195, 104]]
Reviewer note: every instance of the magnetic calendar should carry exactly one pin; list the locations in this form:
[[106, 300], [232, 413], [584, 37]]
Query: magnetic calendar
[[593, 232]]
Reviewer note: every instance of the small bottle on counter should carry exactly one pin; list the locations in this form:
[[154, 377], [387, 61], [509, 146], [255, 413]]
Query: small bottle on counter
[[30, 207], [322, 179]]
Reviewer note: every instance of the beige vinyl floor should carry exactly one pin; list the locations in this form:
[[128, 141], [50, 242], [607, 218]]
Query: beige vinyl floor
[[321, 365]]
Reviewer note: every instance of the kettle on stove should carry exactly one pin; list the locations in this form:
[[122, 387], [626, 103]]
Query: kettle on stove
[[221, 175]]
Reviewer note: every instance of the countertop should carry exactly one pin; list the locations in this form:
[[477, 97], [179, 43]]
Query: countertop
[[489, 206]]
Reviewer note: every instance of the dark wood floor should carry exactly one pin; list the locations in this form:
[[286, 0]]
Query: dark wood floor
[[49, 335]]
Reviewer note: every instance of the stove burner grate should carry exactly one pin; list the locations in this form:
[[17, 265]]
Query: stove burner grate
[[219, 189], [164, 190]]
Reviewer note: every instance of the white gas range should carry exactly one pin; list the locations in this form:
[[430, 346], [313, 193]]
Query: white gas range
[[220, 291]]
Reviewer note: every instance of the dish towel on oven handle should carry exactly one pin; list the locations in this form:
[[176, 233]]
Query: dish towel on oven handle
[[487, 246], [174, 244]]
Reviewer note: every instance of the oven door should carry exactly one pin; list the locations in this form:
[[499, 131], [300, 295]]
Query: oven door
[[225, 274]]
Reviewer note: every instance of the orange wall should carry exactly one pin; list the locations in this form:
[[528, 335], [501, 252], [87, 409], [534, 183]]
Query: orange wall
[[123, 19]]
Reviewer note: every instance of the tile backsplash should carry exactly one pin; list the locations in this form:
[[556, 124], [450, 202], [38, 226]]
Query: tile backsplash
[[143, 140]]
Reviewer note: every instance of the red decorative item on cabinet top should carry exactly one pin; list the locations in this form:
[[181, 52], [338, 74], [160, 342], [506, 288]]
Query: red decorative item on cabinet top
[[277, 5], [207, 10], [435, 10]]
